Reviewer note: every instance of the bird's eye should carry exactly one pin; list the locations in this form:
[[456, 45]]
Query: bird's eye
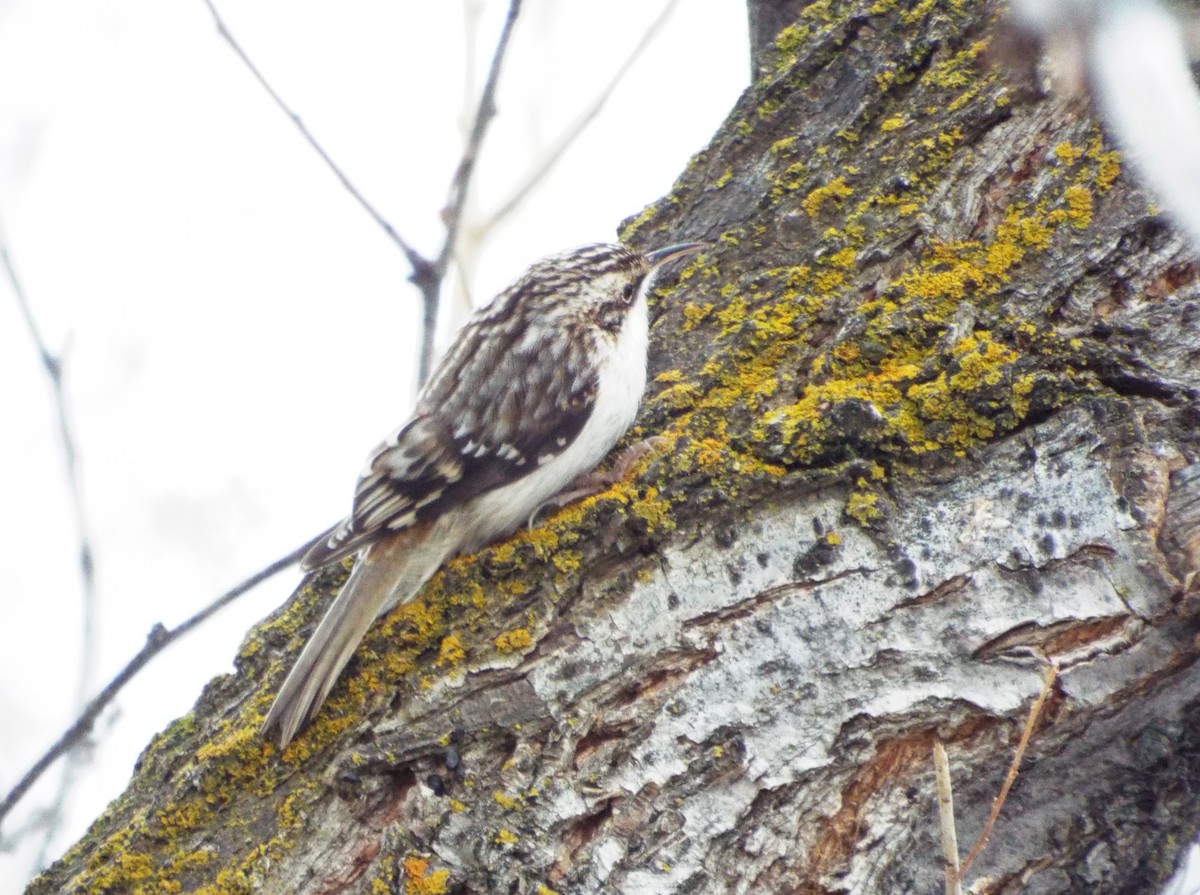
[[627, 291]]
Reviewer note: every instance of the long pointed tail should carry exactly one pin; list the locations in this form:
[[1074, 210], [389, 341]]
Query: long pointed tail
[[388, 572]]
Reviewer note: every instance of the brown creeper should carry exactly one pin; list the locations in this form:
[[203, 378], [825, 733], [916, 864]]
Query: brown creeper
[[536, 389]]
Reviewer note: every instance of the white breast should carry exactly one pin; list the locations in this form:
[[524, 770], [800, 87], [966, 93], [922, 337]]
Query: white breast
[[622, 380]]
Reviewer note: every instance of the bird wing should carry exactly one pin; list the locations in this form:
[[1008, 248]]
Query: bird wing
[[501, 403]]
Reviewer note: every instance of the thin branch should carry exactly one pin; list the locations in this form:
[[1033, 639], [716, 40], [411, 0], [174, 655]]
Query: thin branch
[[484, 114], [545, 163], [472, 12], [427, 275], [460, 184], [419, 263], [157, 640], [52, 817], [53, 365], [472, 15], [945, 793], [1049, 676]]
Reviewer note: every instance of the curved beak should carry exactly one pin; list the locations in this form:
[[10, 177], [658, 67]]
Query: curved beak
[[659, 257]]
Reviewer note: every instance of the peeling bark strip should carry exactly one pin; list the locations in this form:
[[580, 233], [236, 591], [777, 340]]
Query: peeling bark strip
[[930, 408]]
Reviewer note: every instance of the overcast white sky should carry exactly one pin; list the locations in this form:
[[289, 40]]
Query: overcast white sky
[[238, 333]]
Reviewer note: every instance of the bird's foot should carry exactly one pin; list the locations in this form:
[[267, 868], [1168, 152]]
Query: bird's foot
[[589, 484]]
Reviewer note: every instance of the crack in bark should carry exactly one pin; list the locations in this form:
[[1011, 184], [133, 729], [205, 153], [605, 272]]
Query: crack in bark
[[945, 590], [1068, 642], [750, 605]]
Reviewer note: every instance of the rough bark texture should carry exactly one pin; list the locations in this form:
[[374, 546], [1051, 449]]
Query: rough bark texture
[[766, 19], [931, 407]]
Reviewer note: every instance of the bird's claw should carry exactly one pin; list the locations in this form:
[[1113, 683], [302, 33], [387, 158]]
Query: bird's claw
[[589, 484]]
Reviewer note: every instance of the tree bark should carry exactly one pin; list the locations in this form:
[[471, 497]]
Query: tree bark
[[930, 406], [766, 19]]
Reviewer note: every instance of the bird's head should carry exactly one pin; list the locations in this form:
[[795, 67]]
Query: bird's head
[[600, 281]]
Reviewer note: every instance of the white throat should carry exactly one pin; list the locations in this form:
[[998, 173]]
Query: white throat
[[621, 368]]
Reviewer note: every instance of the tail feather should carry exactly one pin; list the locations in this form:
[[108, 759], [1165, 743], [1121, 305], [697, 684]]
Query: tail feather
[[389, 572]]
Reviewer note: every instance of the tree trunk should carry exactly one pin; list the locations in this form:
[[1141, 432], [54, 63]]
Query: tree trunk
[[930, 407], [766, 19]]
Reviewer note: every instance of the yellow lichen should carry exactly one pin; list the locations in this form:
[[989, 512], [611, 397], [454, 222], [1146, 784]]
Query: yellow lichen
[[677, 397], [861, 507], [512, 641], [653, 509], [451, 651], [544, 540], [507, 802], [958, 70], [843, 259], [789, 42], [567, 560], [1079, 205], [768, 108], [834, 191], [419, 881], [1108, 163], [1066, 153], [784, 147], [694, 314]]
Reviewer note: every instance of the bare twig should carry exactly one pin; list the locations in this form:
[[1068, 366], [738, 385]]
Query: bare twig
[[158, 639], [550, 157], [540, 167], [427, 275], [52, 364], [460, 183], [484, 113], [941, 765], [416, 259], [1049, 676], [472, 12], [472, 15]]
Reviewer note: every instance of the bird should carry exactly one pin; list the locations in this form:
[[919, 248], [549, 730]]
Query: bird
[[537, 387]]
